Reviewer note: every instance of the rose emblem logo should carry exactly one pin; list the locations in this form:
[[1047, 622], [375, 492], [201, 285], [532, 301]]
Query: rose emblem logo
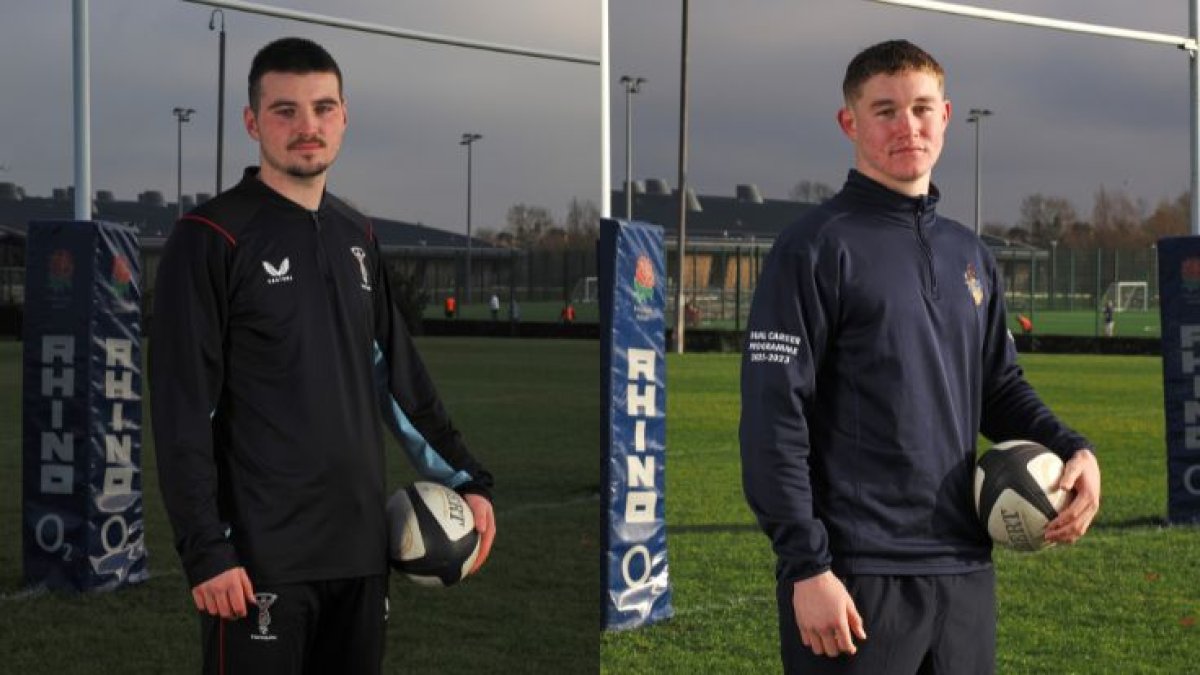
[[643, 279]]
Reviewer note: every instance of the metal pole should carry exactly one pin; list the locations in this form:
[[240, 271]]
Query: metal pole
[[380, 29], [179, 166], [83, 112], [633, 85], [220, 92], [628, 148], [468, 140], [683, 130], [975, 117], [978, 183], [181, 115]]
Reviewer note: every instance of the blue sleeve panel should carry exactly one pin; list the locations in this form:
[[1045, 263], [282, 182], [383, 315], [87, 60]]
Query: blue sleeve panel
[[424, 457]]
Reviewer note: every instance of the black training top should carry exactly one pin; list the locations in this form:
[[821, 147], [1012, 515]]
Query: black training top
[[877, 352], [275, 341]]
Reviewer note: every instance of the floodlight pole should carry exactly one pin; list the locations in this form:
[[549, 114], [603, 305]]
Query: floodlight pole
[[683, 132], [220, 90], [1188, 44], [182, 115], [976, 117], [468, 140], [633, 85]]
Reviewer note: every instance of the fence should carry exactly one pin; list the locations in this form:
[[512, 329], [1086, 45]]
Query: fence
[[1062, 291]]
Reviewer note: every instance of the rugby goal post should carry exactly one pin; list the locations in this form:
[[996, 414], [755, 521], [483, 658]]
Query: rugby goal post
[[1127, 295]]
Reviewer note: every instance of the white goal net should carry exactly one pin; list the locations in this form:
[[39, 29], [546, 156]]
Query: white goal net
[[1127, 295]]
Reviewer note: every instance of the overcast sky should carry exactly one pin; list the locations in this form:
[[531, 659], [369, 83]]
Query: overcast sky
[[1072, 112]]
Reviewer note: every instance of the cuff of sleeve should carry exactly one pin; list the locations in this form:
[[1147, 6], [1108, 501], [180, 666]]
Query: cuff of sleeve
[[475, 487], [209, 562], [797, 570]]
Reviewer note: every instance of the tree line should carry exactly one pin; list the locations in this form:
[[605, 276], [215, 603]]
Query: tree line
[[529, 227], [1117, 221]]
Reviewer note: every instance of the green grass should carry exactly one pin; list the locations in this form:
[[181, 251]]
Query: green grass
[[1087, 322], [1126, 599], [534, 607], [1045, 322]]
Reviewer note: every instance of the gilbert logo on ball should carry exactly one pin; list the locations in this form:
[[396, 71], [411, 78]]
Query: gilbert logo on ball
[[1016, 493], [431, 534]]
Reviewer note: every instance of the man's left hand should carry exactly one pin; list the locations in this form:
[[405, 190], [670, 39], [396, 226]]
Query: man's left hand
[[485, 525], [1081, 476]]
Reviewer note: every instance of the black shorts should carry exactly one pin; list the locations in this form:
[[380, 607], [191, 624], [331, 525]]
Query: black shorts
[[915, 625], [318, 627]]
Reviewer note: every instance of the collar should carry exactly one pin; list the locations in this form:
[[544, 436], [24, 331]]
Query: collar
[[251, 182], [864, 192]]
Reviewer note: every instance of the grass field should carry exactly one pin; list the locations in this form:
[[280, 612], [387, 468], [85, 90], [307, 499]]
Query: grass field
[[533, 608], [1062, 322], [1126, 599]]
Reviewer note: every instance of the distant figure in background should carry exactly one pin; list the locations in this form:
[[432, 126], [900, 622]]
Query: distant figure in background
[[451, 306], [494, 306], [568, 313], [514, 309], [1026, 323], [1110, 320]]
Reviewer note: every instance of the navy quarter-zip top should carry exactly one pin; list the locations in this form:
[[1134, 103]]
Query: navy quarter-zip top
[[876, 352]]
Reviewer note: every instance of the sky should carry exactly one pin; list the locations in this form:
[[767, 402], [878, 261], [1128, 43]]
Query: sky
[[1072, 112]]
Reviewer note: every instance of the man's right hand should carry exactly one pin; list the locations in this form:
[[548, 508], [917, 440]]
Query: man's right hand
[[826, 615], [226, 595]]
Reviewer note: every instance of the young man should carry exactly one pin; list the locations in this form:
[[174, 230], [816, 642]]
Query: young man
[[275, 342], [877, 352]]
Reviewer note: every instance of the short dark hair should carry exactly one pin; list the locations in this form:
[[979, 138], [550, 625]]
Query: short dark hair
[[888, 58], [290, 55]]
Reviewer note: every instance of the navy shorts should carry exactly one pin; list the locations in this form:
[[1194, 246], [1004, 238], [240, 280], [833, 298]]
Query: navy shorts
[[922, 625], [318, 627]]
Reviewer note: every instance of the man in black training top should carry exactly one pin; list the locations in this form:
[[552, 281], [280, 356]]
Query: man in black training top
[[877, 351], [276, 347]]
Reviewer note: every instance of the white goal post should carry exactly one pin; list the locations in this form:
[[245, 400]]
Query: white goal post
[[1127, 295], [586, 290]]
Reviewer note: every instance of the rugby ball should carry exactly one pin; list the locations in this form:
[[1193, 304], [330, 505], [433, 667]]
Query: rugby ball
[[1016, 493], [431, 534]]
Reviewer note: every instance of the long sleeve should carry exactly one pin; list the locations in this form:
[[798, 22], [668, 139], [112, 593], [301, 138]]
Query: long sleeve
[[410, 404], [186, 376], [1011, 408], [787, 334]]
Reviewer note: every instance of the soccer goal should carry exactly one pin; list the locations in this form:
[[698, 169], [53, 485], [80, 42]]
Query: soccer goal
[[1127, 295], [586, 290]]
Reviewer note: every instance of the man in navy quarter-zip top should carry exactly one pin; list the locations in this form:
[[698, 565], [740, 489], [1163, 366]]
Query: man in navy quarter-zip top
[[876, 352], [277, 352]]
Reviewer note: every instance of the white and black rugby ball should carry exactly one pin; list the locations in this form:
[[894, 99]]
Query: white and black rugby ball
[[431, 534], [1016, 493]]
